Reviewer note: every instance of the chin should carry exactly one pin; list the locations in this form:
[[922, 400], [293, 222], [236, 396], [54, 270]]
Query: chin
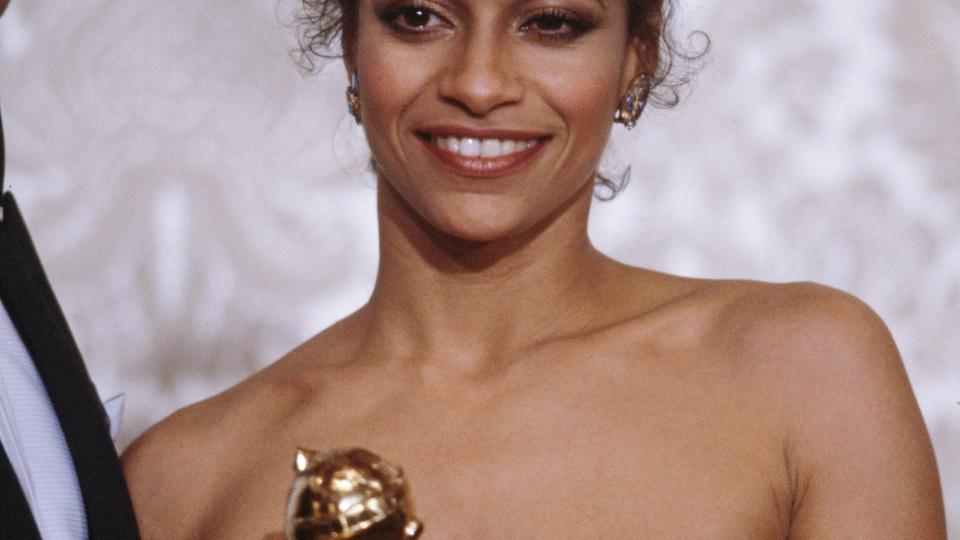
[[485, 220]]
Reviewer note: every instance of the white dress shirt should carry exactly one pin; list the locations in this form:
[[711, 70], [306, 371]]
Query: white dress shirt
[[34, 442]]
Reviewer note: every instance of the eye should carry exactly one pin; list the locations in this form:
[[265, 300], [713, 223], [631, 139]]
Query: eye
[[412, 19], [556, 25], [415, 17]]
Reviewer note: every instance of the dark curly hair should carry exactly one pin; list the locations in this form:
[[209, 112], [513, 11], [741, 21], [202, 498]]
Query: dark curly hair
[[320, 26]]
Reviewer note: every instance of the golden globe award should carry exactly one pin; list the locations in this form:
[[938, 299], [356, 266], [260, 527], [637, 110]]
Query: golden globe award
[[349, 493]]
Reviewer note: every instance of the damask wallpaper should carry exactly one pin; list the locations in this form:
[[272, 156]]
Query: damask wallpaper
[[202, 208]]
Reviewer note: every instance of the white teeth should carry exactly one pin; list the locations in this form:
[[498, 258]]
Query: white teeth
[[469, 147], [448, 143], [488, 148]]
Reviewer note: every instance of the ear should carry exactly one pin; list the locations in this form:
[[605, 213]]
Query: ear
[[650, 44], [347, 40], [348, 36], [634, 63], [643, 48]]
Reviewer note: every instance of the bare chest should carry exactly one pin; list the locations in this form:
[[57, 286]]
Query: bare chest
[[561, 465]]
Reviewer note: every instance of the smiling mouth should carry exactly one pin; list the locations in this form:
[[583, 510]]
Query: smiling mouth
[[482, 157], [483, 148]]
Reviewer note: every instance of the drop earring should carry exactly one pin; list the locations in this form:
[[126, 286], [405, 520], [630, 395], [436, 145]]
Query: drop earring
[[353, 97], [632, 105]]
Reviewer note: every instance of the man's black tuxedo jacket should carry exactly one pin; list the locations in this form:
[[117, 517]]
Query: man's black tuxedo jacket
[[37, 317]]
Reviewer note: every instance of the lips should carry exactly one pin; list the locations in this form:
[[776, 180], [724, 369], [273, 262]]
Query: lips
[[483, 153]]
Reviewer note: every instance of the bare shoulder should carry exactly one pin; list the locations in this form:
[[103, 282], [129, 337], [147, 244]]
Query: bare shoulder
[[860, 458], [172, 454], [780, 335], [753, 319], [171, 468], [175, 469], [824, 327], [178, 468], [820, 347]]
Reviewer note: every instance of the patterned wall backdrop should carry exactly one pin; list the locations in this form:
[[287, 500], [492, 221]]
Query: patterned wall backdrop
[[202, 208]]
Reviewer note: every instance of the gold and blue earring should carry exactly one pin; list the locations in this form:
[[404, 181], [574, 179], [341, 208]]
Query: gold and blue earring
[[635, 101], [353, 97]]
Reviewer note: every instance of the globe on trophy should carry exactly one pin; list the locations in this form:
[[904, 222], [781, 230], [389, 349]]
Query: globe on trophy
[[351, 493]]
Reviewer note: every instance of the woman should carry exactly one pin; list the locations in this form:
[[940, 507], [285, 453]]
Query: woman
[[531, 386]]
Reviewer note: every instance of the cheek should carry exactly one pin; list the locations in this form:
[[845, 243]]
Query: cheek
[[582, 91], [585, 100], [578, 88], [390, 77]]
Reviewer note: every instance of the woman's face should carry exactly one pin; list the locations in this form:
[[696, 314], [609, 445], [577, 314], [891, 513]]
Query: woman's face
[[487, 116]]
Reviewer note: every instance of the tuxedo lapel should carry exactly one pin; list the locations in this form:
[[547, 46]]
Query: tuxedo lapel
[[3, 158], [16, 520], [29, 300]]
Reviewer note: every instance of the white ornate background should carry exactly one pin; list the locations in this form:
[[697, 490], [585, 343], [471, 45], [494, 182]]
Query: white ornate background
[[201, 208]]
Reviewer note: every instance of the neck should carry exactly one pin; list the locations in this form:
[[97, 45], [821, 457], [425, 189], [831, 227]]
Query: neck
[[473, 305]]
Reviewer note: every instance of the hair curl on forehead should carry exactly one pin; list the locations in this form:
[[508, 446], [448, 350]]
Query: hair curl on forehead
[[320, 25]]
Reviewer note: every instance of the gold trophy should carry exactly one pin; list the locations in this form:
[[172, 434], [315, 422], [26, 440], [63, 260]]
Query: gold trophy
[[349, 493]]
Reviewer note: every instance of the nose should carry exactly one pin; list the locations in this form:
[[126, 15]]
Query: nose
[[480, 76]]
